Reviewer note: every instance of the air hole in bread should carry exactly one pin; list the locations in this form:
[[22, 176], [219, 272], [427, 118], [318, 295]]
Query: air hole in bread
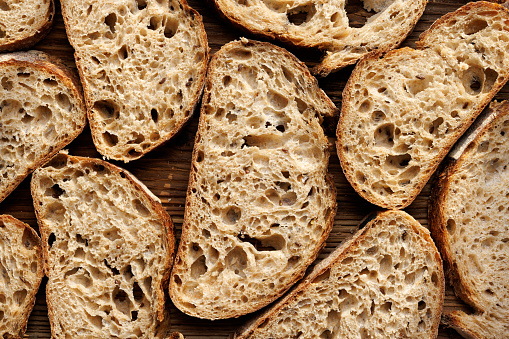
[[490, 77], [236, 261], [111, 21], [142, 4], [122, 53], [121, 301], [435, 125], [27, 238], [451, 226], [240, 54], [51, 239], [198, 268], [301, 105], [54, 191], [155, 23], [275, 242], [398, 161], [42, 114], [48, 82], [232, 215], [384, 136], [137, 292], [170, 27], [227, 80], [107, 109], [356, 13], [19, 296], [277, 100], [112, 234], [322, 277], [421, 305], [7, 84], [4, 6], [475, 26], [141, 208], [301, 14]]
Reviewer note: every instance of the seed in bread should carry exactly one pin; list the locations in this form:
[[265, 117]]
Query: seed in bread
[[108, 248], [260, 204], [325, 24], [41, 110], [143, 64], [24, 22], [385, 282], [21, 272], [469, 218], [402, 113]]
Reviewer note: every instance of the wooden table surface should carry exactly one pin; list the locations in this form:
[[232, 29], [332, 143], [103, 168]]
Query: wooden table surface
[[165, 171]]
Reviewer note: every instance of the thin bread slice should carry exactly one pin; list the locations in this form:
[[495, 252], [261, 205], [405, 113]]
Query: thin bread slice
[[402, 113], [260, 203], [24, 22], [324, 24], [21, 272], [41, 110], [385, 282], [142, 64], [468, 217], [108, 248]]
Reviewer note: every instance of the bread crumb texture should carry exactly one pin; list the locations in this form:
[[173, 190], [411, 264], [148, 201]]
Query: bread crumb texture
[[107, 249], [143, 66], [21, 272], [41, 111], [385, 283], [260, 204], [325, 24], [22, 19], [402, 113], [474, 226]]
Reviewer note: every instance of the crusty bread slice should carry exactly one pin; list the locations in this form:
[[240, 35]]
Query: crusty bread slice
[[24, 22], [324, 24], [108, 248], [402, 113], [41, 110], [21, 272], [385, 282], [143, 65], [468, 217], [259, 204]]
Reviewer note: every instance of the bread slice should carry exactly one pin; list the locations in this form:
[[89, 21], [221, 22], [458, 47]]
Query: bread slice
[[468, 217], [324, 24], [41, 110], [402, 113], [108, 248], [260, 203], [24, 22], [143, 65], [21, 272], [385, 282]]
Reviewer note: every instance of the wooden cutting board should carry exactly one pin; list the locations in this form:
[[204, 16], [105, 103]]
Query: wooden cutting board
[[165, 171]]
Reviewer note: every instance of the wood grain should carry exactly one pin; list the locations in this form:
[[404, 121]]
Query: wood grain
[[165, 171]]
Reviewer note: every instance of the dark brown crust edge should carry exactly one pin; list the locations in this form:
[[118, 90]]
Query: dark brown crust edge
[[31, 40], [53, 66], [453, 320], [190, 109], [155, 205], [329, 179], [40, 271], [337, 255]]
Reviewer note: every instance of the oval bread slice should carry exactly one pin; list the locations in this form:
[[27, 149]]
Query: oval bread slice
[[41, 111], [259, 204], [108, 249], [402, 113], [469, 220], [385, 282], [21, 272], [142, 64]]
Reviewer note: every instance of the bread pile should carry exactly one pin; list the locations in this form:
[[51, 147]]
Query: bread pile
[[260, 202]]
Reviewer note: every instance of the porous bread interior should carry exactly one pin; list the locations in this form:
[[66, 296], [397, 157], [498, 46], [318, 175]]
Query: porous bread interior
[[476, 215], [106, 248], [38, 112], [20, 19], [325, 24], [259, 205], [478, 326], [387, 284], [142, 64], [20, 275], [402, 113]]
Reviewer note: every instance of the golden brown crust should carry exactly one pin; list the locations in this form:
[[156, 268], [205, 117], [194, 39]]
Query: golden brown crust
[[52, 66], [454, 321]]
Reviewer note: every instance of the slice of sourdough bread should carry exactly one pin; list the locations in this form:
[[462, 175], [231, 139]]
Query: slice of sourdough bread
[[41, 110], [324, 24], [24, 22], [108, 249], [402, 113], [469, 221], [143, 65], [385, 282], [21, 272], [260, 203]]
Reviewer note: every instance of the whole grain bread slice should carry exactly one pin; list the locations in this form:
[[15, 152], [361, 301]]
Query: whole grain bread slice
[[385, 282], [41, 111], [402, 112], [108, 248], [468, 218], [21, 272], [324, 24], [142, 64], [23, 23], [260, 203]]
